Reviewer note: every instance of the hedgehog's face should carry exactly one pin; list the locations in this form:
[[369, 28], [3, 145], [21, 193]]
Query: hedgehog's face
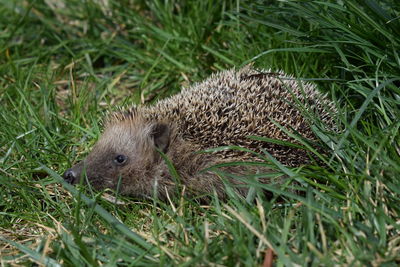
[[124, 155]]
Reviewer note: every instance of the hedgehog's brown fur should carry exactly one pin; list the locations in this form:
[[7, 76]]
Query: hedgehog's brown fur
[[221, 111]]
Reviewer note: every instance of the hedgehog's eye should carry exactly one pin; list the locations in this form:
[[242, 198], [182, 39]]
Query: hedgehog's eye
[[120, 159]]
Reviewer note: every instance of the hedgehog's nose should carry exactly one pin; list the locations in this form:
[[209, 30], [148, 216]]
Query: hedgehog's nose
[[69, 176]]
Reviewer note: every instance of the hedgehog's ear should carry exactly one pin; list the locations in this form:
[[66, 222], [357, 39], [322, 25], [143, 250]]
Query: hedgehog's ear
[[160, 133]]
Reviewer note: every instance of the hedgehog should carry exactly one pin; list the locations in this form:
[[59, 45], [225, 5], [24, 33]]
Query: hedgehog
[[138, 145]]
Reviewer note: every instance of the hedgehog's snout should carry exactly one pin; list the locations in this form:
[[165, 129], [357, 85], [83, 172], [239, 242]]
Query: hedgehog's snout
[[70, 176], [73, 175]]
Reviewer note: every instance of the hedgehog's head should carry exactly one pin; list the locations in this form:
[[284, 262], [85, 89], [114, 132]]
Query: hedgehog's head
[[125, 154]]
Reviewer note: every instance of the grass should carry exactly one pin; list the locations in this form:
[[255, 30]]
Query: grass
[[64, 63]]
